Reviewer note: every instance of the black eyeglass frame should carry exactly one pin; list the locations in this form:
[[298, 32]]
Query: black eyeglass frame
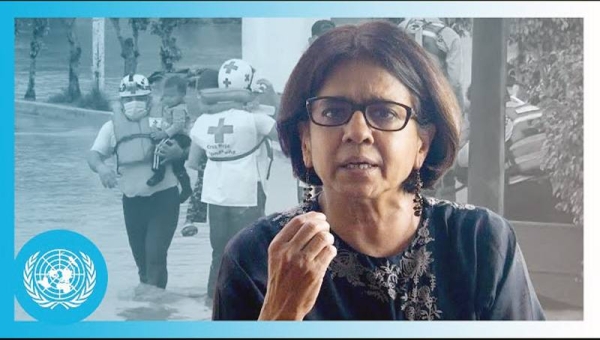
[[362, 108]]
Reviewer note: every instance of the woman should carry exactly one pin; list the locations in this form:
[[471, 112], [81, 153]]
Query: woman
[[369, 117]]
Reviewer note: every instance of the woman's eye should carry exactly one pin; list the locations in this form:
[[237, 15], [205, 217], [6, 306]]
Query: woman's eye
[[332, 113], [384, 114]]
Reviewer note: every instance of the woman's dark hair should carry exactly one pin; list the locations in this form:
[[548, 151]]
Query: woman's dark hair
[[389, 47]]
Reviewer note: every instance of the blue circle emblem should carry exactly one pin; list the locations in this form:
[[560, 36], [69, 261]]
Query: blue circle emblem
[[61, 277]]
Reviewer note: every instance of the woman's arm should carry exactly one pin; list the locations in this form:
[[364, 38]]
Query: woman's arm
[[515, 297], [505, 289], [237, 296]]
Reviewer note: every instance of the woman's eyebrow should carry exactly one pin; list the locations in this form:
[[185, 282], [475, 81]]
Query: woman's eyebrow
[[372, 98], [365, 99], [376, 98]]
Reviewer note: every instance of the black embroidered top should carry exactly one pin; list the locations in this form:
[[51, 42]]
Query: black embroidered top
[[463, 263]]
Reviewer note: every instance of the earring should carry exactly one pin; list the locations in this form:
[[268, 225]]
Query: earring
[[418, 200], [307, 190]]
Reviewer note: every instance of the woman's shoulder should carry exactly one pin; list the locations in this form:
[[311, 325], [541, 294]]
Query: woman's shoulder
[[454, 207], [470, 222]]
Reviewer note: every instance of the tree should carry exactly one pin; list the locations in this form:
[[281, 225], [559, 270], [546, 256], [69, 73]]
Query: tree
[[73, 91], [19, 26], [129, 46], [169, 51], [550, 64], [40, 29]]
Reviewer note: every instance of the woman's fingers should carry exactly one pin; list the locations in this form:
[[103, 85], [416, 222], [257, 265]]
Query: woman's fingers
[[326, 255], [290, 229], [298, 259], [308, 231], [305, 237], [317, 244]]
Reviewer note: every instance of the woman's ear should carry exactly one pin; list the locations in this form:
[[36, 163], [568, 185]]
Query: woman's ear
[[304, 130], [426, 135]]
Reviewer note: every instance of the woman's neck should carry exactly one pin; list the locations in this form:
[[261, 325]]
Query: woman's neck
[[376, 227]]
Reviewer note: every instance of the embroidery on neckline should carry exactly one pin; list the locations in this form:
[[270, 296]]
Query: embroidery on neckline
[[410, 279], [434, 201]]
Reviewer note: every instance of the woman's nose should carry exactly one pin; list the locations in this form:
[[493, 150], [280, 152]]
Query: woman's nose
[[357, 130]]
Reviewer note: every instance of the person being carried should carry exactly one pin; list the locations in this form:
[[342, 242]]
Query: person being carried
[[173, 125]]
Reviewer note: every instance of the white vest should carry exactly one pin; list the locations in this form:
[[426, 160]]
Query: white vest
[[226, 135]]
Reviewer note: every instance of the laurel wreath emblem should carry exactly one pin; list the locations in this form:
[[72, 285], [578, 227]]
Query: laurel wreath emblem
[[77, 301]]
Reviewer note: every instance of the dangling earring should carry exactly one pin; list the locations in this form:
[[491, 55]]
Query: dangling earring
[[308, 189], [418, 200]]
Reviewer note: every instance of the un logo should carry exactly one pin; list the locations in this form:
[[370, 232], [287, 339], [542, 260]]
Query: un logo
[[62, 277], [59, 277]]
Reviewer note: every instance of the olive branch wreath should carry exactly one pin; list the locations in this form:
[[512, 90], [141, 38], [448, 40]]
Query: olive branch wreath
[[85, 293]]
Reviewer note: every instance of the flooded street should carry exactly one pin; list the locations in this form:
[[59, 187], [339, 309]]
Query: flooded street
[[54, 188]]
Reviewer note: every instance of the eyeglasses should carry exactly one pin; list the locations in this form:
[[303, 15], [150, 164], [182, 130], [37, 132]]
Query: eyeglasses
[[336, 111]]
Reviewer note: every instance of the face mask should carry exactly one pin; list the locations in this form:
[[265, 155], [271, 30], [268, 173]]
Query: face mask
[[135, 110]]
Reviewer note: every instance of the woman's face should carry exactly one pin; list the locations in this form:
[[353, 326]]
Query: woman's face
[[355, 159]]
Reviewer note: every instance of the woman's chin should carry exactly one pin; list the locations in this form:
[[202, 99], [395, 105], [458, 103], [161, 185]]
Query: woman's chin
[[356, 191]]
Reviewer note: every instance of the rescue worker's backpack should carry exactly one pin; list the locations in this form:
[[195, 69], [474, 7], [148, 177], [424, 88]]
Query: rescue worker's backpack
[[427, 34]]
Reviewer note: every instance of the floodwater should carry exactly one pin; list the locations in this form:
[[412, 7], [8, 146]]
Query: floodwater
[[54, 188]]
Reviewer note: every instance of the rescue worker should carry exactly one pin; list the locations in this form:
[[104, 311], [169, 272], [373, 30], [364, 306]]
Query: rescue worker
[[150, 212], [236, 171]]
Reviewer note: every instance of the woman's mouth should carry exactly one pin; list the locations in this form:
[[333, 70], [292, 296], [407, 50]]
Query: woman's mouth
[[360, 166]]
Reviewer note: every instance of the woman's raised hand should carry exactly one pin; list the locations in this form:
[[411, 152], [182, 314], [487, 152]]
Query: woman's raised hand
[[298, 259]]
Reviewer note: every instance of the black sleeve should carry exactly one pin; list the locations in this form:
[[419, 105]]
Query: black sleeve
[[237, 297], [241, 284], [505, 291]]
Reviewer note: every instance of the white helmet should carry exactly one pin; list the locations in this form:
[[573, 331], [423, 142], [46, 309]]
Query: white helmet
[[235, 74], [134, 85]]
